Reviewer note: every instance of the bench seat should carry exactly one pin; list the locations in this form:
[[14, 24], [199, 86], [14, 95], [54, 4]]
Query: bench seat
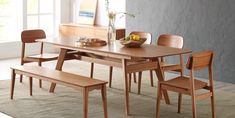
[[85, 84]]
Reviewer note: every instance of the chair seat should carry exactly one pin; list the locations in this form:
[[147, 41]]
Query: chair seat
[[43, 57], [171, 67], [184, 83]]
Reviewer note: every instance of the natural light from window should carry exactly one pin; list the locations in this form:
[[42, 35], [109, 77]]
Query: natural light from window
[[16, 15], [10, 19]]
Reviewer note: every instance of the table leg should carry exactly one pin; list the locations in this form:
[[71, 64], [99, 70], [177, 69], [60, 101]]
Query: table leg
[[59, 65], [159, 73], [124, 64]]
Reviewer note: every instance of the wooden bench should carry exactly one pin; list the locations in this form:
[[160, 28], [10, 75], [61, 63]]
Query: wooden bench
[[86, 84]]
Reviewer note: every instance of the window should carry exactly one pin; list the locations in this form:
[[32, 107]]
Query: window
[[16, 15], [10, 19], [41, 14]]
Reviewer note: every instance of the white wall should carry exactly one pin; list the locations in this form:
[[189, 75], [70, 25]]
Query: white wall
[[115, 5], [101, 13]]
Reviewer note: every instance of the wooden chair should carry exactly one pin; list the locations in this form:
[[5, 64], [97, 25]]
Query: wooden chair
[[173, 41], [188, 85], [28, 37], [167, 40], [146, 35]]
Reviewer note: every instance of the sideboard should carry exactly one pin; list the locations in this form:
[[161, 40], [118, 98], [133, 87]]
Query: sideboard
[[76, 30]]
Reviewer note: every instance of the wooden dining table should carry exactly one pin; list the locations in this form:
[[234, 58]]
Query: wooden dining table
[[116, 55]]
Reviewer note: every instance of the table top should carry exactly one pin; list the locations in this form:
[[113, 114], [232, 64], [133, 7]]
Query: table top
[[117, 50]]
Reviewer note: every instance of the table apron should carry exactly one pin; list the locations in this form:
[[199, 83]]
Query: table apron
[[132, 66]]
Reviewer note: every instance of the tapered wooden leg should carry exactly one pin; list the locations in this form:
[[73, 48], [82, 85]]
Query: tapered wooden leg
[[159, 93], [151, 77], [110, 76], [92, 69], [134, 74], [139, 82], [129, 82], [179, 102], [13, 76], [59, 65], [182, 65], [21, 78], [181, 73], [124, 64], [30, 86], [194, 106], [40, 81], [160, 77], [85, 103], [104, 99], [213, 104]]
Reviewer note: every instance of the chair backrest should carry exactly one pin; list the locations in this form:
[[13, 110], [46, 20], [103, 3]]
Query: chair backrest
[[29, 36], [146, 35], [168, 40], [200, 60]]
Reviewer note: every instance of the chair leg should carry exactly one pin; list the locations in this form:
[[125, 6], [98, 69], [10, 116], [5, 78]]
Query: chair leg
[[40, 81], [21, 78], [104, 99], [159, 94], [13, 77], [151, 77], [179, 102], [134, 77], [85, 103], [110, 76], [194, 106], [92, 69], [129, 89], [139, 82], [181, 72], [213, 105], [30, 86]]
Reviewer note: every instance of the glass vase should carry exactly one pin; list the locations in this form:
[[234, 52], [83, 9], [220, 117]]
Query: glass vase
[[111, 35]]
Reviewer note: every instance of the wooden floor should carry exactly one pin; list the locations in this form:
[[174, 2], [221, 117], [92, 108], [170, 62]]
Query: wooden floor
[[5, 72]]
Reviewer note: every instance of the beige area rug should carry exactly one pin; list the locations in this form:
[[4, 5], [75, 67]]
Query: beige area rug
[[67, 102]]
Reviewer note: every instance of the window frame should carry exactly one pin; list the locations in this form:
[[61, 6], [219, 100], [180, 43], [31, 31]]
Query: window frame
[[38, 14], [22, 15]]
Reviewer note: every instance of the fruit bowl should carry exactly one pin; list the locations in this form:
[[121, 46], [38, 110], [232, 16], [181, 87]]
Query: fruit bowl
[[132, 41]]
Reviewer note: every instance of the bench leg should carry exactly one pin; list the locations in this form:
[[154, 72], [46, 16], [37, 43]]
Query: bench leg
[[104, 99], [85, 103], [13, 76], [30, 86]]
